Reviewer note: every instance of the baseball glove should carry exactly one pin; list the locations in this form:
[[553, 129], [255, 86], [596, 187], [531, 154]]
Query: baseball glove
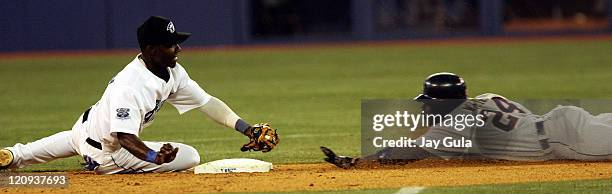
[[261, 138]]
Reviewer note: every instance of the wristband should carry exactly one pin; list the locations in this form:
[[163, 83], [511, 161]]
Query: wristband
[[242, 126], [151, 156]]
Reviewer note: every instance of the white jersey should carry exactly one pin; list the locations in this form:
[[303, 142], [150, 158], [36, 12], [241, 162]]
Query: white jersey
[[133, 97], [128, 105], [509, 131]]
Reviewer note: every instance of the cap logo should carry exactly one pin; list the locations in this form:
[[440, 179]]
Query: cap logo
[[170, 27]]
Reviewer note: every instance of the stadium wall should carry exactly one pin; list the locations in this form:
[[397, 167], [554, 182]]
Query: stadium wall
[[33, 25]]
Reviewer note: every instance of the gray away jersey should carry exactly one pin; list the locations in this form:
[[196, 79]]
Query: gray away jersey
[[509, 131]]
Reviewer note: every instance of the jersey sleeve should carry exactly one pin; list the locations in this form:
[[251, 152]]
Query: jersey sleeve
[[124, 112], [189, 94]]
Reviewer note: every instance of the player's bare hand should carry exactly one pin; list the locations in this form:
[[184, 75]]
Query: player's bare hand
[[166, 154]]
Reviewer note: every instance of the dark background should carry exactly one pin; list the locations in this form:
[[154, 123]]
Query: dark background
[[32, 25]]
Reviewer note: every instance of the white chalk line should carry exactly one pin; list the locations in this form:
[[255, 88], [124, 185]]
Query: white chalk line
[[410, 190]]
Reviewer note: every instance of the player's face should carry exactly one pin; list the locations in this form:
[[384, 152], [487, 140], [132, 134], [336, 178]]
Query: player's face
[[168, 55]]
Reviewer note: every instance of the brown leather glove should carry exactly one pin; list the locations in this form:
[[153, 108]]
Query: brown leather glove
[[262, 138]]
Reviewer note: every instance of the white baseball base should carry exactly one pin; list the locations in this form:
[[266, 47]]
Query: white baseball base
[[234, 165]]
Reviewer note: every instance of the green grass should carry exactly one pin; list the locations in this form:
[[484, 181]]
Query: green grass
[[312, 95], [579, 186], [582, 186]]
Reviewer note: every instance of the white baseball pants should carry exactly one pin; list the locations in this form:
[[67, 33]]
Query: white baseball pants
[[71, 143]]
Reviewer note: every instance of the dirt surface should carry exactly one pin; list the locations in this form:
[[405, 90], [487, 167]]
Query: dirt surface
[[312, 177]]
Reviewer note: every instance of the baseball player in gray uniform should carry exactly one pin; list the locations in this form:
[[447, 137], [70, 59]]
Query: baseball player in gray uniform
[[509, 132], [106, 135]]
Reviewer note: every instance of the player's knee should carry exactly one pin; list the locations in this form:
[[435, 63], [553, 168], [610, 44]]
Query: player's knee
[[195, 160], [192, 157]]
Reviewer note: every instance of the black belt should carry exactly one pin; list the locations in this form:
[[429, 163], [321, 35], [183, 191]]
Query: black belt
[[540, 130], [94, 143], [90, 141], [540, 127], [85, 115]]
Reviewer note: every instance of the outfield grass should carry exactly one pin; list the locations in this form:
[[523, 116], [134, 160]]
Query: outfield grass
[[579, 186], [312, 95]]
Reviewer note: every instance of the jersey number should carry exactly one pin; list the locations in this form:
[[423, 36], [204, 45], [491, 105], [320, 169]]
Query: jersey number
[[502, 119]]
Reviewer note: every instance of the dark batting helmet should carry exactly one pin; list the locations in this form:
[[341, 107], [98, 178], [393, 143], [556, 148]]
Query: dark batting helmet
[[443, 85]]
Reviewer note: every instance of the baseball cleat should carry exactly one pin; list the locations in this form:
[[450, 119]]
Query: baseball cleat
[[340, 161], [6, 158]]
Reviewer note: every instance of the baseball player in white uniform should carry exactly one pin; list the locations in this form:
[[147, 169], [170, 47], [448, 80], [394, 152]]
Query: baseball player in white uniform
[[107, 134], [509, 131]]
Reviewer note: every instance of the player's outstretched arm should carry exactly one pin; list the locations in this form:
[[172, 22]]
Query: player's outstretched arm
[[136, 147], [262, 137], [384, 156], [218, 111]]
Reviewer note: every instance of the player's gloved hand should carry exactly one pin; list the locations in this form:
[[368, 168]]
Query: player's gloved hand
[[166, 154], [339, 161], [262, 138]]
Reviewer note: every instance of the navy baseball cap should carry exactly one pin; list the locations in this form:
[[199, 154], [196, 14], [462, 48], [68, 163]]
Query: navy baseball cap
[[159, 30]]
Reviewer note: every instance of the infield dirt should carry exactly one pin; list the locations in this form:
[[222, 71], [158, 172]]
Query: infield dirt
[[313, 177]]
